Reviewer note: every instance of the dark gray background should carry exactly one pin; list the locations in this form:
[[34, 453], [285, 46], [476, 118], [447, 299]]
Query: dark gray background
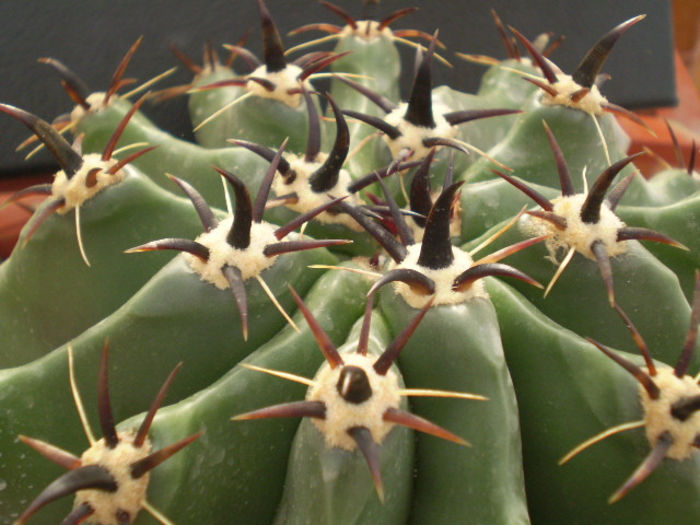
[[92, 36]]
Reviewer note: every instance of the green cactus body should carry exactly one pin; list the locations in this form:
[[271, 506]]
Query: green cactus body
[[585, 393], [327, 484], [268, 108], [503, 84], [173, 318], [526, 151], [316, 179], [200, 105], [256, 451], [680, 218], [458, 348], [331, 485], [580, 289], [664, 188], [256, 118], [467, 337], [430, 118], [59, 300], [488, 203], [195, 164], [483, 133], [374, 57], [181, 158], [578, 110]]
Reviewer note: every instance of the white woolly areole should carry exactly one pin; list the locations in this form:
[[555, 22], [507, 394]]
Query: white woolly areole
[[284, 80], [96, 101], [342, 415], [366, 30], [657, 413], [412, 136], [250, 261], [443, 279], [577, 234], [130, 493], [75, 190], [307, 199], [591, 103]]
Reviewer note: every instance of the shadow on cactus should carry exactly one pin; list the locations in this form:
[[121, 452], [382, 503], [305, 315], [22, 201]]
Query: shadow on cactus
[[110, 479]]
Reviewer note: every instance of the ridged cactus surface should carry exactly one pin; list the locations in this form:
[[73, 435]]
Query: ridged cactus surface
[[367, 305]]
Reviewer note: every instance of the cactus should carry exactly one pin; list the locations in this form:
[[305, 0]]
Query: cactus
[[449, 386]]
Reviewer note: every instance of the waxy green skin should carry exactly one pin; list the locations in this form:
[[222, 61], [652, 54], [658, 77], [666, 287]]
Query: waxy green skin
[[482, 133], [257, 119], [199, 104], [178, 157], [503, 86], [175, 317], [333, 486], [569, 391], [488, 203], [664, 188], [680, 219], [376, 58], [48, 294], [458, 348], [526, 150], [578, 301], [245, 461]]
